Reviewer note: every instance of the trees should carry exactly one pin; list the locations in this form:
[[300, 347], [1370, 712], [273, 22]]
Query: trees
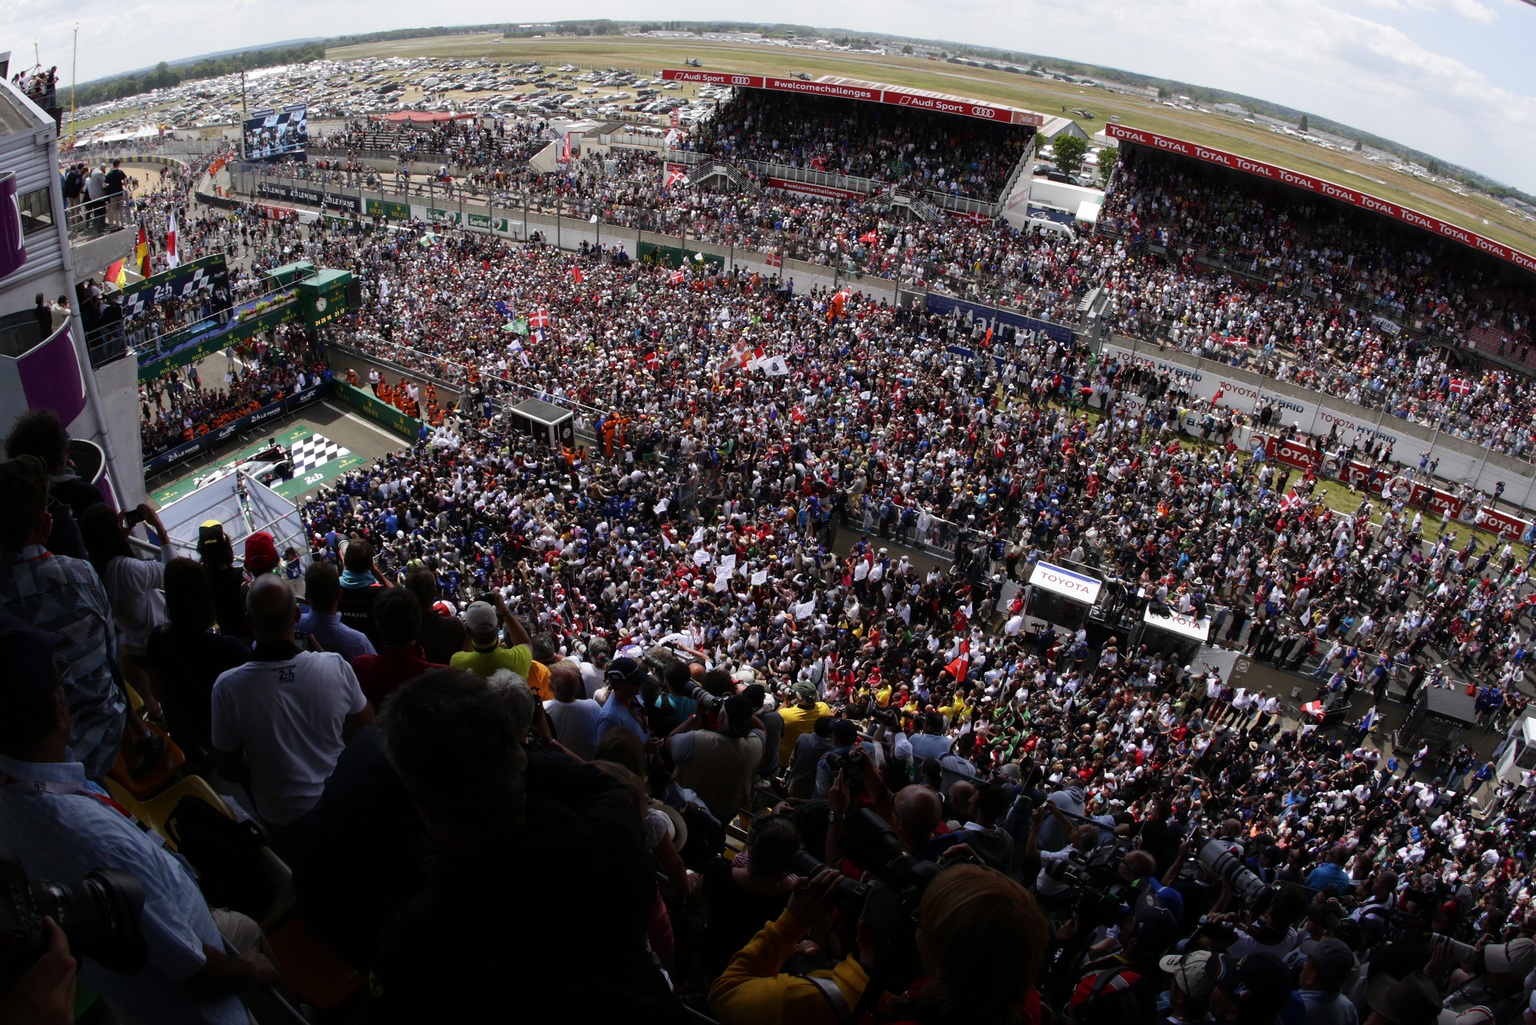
[[1301, 126], [1107, 157], [1069, 150]]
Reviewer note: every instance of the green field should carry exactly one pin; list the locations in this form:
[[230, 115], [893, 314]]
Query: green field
[[643, 55]]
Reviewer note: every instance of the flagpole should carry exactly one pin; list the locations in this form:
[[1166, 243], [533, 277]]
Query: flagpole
[[74, 63]]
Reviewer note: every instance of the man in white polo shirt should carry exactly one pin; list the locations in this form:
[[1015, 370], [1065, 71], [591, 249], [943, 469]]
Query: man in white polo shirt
[[281, 720]]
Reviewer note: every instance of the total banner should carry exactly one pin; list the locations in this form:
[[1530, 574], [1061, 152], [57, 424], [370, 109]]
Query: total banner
[[1322, 187], [867, 92], [181, 453], [1371, 479]]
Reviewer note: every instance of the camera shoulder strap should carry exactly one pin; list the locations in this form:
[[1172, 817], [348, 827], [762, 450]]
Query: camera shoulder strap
[[832, 993]]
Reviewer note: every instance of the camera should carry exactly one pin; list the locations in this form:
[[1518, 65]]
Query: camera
[[1099, 891], [891, 903], [133, 517], [1217, 859], [99, 915]]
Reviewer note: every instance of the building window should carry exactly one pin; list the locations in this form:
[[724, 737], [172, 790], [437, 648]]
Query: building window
[[36, 211]]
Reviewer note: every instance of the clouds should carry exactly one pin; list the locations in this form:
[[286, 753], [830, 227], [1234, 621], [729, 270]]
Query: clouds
[[1445, 76]]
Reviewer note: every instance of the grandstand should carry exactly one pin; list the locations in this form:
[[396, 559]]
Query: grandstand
[[1406, 272], [845, 139]]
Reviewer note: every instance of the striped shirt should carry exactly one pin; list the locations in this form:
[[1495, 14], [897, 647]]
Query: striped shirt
[[65, 596]]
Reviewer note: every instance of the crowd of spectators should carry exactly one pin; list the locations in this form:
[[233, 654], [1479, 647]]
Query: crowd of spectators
[[1323, 338], [586, 662], [179, 406], [505, 609], [897, 146]]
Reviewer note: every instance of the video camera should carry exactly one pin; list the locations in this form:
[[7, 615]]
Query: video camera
[[99, 915], [1099, 891]]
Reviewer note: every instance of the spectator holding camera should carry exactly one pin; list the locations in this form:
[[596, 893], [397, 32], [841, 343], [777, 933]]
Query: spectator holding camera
[[194, 962]]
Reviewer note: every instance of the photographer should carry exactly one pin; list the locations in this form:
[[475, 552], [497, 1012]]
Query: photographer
[[61, 826], [980, 937]]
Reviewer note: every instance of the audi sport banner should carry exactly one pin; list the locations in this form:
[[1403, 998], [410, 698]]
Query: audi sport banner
[[1323, 187], [868, 92]]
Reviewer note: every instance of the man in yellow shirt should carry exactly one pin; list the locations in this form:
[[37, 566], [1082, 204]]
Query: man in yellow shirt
[[489, 655], [751, 992], [800, 718]]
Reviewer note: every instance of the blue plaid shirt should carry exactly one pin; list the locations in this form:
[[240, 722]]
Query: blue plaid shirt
[[65, 596]]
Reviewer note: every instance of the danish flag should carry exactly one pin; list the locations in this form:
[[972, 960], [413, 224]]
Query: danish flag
[[540, 320], [1461, 386]]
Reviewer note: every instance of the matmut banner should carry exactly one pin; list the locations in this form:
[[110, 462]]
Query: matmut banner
[[869, 93], [1311, 183]]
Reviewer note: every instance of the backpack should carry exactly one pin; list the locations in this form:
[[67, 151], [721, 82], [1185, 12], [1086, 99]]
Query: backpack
[[226, 855]]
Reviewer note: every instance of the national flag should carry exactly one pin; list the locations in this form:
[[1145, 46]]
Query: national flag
[[117, 273], [565, 148], [141, 252], [776, 259], [519, 326], [1290, 501], [1461, 386], [868, 237], [677, 277], [539, 321], [1220, 391], [674, 175], [172, 257], [539, 335], [774, 366], [1369, 721], [502, 308], [577, 276]]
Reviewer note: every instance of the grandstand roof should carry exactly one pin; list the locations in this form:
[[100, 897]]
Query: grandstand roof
[[1323, 187], [839, 88]]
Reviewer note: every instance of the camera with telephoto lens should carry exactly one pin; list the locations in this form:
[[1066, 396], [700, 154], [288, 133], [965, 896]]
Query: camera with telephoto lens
[[890, 902], [1217, 859], [99, 915]]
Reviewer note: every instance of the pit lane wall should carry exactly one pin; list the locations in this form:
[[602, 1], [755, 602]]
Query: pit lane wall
[[158, 464], [1461, 462], [520, 222]]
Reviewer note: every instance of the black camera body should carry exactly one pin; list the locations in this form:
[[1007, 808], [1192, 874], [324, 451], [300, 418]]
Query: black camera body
[[99, 915], [1099, 891], [891, 903]]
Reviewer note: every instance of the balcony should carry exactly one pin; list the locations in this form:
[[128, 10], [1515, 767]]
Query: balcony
[[98, 234]]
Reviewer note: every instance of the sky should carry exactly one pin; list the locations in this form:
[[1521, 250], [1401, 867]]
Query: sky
[[1453, 78]]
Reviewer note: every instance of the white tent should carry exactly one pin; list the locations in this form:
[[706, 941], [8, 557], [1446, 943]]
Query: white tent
[[244, 506]]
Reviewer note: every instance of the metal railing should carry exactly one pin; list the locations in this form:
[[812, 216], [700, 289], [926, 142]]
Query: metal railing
[[93, 218]]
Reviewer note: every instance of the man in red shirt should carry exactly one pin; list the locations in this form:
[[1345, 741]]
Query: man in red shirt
[[397, 617]]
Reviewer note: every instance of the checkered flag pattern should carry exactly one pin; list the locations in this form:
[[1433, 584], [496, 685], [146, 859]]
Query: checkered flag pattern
[[315, 450], [199, 278]]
